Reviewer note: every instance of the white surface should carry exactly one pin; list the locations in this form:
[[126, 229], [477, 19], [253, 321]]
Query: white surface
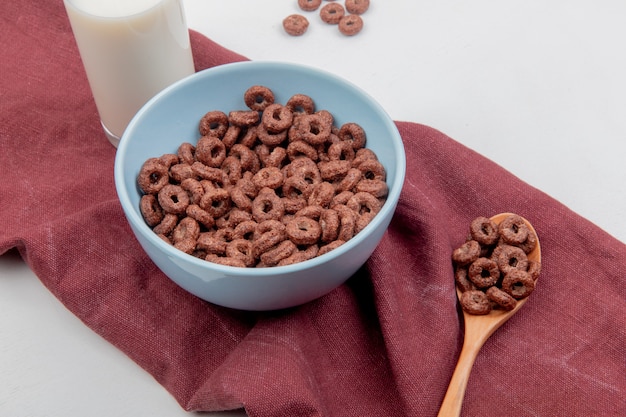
[[536, 86]]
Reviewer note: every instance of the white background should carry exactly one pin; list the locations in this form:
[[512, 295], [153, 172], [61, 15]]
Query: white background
[[536, 86]]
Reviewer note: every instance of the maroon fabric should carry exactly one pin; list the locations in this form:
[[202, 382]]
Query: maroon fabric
[[383, 344]]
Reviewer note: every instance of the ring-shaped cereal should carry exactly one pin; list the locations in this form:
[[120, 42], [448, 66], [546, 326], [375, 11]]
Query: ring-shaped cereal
[[363, 203], [267, 206], [151, 210], [309, 5], [530, 243], [300, 148], [187, 228], [273, 157], [173, 199], [270, 138], [334, 170], [363, 154], [347, 222], [153, 176], [300, 256], [483, 272], [169, 159], [214, 175], [303, 230], [241, 249], [475, 302], [246, 156], [293, 204], [518, 284], [181, 172], [269, 233], [278, 253], [248, 136], [214, 123], [312, 212], [311, 128], [329, 247], [354, 134], [216, 202], [231, 136], [462, 280], [304, 168], [332, 13], [297, 187], [341, 198], [510, 258], [357, 6], [167, 225], [270, 177], [349, 181], [301, 104], [377, 188], [322, 194], [342, 150], [501, 298], [234, 217], [258, 97], [373, 170], [225, 260], [233, 169], [513, 230], [245, 230], [211, 151], [484, 231], [350, 24], [200, 215], [243, 118], [240, 199], [467, 253], [186, 153], [329, 223], [194, 188], [276, 118]]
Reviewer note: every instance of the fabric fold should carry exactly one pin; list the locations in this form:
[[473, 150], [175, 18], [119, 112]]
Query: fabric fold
[[384, 343]]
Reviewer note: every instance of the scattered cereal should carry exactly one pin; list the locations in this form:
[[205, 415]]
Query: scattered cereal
[[295, 24]]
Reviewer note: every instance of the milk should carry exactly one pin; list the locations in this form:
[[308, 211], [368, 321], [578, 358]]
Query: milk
[[131, 50]]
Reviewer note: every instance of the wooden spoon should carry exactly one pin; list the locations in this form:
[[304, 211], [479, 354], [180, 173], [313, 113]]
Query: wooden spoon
[[477, 331]]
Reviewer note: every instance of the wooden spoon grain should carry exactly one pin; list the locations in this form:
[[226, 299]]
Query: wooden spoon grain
[[477, 331]]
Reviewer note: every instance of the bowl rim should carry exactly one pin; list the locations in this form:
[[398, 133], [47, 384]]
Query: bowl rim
[[135, 220]]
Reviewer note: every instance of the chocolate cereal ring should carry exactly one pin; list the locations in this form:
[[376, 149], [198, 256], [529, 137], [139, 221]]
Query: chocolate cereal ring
[[475, 302], [276, 118], [332, 13], [181, 172], [501, 298], [186, 229], [269, 233], [364, 203], [329, 222], [271, 157], [484, 231], [295, 24], [303, 230], [462, 280], [258, 97], [513, 230], [151, 210], [214, 123], [267, 206], [241, 249], [312, 128], [278, 253], [153, 176], [518, 284], [377, 188], [243, 117], [225, 260], [357, 6], [322, 194], [353, 133], [186, 153], [167, 225], [510, 258], [270, 177], [211, 151], [173, 199], [483, 272], [300, 148], [467, 253], [216, 202], [200, 215], [331, 246], [301, 104], [347, 222], [309, 5]]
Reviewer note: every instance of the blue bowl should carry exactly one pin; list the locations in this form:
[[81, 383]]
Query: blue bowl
[[172, 117]]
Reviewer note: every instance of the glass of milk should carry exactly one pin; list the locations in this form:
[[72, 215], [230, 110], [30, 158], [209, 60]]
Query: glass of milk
[[131, 50]]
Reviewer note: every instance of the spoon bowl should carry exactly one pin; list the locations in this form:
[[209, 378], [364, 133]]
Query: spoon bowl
[[478, 328]]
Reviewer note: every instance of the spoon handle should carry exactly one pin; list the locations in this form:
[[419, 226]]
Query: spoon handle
[[451, 406]]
